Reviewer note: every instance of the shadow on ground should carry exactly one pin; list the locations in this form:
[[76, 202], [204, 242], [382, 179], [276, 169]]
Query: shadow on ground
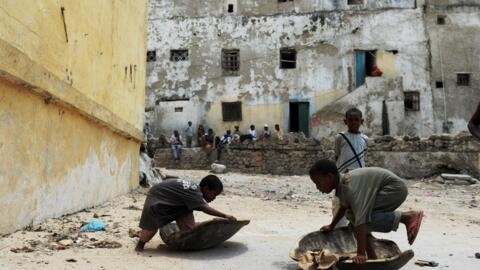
[[223, 251]]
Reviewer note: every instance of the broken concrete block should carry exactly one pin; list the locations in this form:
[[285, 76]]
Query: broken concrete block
[[456, 176], [65, 242]]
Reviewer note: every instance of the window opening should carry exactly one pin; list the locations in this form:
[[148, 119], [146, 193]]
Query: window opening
[[232, 111], [412, 101], [440, 19], [178, 55], [365, 65], [463, 79], [151, 56], [355, 2], [288, 58], [230, 8], [230, 62], [439, 84], [178, 109]]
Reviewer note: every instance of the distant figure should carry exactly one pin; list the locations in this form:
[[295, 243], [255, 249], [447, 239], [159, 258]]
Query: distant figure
[[189, 134], [277, 133], [350, 150], [474, 124], [236, 133], [224, 142], [200, 136], [146, 130], [252, 132], [210, 138], [176, 144], [265, 133], [376, 72]]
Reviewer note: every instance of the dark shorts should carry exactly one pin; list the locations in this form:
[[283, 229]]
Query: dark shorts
[[157, 215]]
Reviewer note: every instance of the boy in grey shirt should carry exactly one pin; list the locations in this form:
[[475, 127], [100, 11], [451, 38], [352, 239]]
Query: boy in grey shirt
[[369, 198], [175, 200]]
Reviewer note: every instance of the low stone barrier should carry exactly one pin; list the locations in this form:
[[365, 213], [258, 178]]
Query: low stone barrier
[[409, 157]]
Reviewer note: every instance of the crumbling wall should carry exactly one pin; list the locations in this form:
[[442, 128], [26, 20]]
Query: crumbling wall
[[409, 157], [325, 35]]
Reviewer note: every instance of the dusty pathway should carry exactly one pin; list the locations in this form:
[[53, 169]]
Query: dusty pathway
[[281, 209]]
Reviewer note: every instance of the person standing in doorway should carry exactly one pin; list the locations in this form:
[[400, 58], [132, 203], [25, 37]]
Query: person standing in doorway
[[189, 134], [350, 150]]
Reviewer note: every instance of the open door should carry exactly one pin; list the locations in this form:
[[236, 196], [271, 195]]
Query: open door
[[364, 66], [300, 117]]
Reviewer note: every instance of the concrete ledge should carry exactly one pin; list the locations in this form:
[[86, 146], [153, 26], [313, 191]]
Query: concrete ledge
[[18, 68]]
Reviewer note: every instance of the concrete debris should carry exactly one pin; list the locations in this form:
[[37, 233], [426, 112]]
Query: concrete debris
[[218, 168], [107, 244], [66, 242], [24, 249]]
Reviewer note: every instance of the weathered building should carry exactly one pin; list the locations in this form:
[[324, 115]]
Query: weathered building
[[72, 95], [301, 64], [453, 28]]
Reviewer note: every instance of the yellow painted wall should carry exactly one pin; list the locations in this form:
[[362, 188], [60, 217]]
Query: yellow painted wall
[[104, 57], [386, 63], [261, 114], [71, 112]]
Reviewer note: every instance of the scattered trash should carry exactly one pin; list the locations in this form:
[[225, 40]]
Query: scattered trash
[[426, 263], [22, 250], [65, 242], [428, 193], [107, 244], [132, 207], [132, 233], [94, 225], [71, 260], [477, 255]]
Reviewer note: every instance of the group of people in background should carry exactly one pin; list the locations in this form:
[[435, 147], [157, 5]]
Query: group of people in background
[[209, 141]]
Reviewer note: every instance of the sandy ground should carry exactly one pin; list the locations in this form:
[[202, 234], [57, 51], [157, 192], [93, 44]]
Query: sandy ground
[[281, 209]]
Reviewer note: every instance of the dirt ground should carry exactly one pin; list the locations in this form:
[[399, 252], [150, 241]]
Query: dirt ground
[[281, 210]]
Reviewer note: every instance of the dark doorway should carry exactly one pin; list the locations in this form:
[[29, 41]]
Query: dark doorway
[[299, 117]]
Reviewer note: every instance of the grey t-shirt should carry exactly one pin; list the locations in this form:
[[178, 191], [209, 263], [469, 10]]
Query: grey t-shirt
[[168, 200], [367, 190]]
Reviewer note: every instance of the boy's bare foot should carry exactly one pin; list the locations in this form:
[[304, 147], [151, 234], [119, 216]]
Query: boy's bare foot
[[140, 245]]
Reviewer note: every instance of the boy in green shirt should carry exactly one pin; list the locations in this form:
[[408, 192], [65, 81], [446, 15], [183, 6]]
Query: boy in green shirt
[[369, 198]]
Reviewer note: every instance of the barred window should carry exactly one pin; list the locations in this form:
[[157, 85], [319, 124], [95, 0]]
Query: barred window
[[463, 79], [412, 101], [151, 56], [230, 62], [232, 111], [178, 55], [288, 58], [355, 2]]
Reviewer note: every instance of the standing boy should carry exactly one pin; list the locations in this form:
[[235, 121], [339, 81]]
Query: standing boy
[[369, 198], [189, 134], [175, 200], [350, 150]]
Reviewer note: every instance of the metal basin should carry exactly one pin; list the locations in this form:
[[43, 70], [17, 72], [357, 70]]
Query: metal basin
[[205, 235]]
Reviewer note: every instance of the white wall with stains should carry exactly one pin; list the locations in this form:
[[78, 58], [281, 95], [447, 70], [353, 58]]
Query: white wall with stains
[[325, 34]]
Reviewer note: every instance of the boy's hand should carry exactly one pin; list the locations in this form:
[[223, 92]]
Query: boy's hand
[[326, 228], [359, 259], [230, 218]]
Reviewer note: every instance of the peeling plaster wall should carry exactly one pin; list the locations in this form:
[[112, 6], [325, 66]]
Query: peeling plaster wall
[[369, 99], [56, 162], [72, 105], [325, 40], [454, 49]]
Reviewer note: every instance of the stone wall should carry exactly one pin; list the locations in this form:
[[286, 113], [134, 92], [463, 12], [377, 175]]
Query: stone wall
[[409, 157]]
